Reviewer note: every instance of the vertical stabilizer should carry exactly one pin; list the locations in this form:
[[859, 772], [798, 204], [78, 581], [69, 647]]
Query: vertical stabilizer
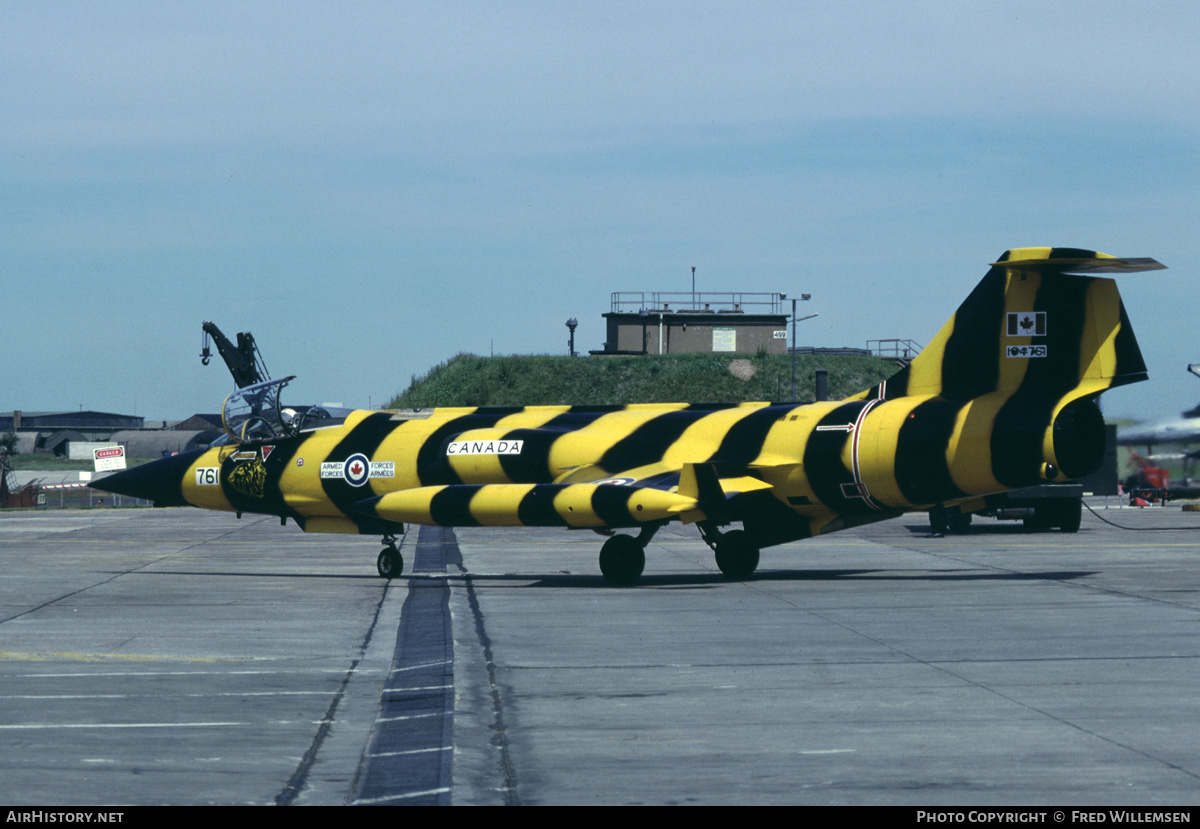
[[1037, 322], [1005, 390]]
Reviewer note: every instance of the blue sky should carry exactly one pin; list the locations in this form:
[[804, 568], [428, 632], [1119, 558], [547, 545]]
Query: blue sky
[[371, 188]]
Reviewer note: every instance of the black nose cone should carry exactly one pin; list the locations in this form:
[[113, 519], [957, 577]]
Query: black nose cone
[[159, 481]]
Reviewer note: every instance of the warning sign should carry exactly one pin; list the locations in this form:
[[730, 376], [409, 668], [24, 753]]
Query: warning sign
[[109, 458]]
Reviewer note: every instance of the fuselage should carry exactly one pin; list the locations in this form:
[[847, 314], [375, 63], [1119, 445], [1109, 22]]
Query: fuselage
[[828, 464]]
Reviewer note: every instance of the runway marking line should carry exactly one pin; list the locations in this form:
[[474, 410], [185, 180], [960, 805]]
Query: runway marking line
[[36, 726], [405, 796], [46, 656], [411, 751], [408, 717]]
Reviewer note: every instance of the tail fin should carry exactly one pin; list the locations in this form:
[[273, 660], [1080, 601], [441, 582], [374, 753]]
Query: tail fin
[[1034, 323], [1006, 387]]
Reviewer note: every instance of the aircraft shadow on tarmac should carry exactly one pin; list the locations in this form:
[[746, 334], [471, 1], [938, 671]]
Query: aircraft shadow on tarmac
[[984, 529], [711, 580], [675, 580]]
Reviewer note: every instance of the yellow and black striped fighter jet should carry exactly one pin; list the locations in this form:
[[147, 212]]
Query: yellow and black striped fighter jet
[[1003, 397]]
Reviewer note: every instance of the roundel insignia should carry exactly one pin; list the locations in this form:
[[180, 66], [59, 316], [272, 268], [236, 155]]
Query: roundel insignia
[[356, 469]]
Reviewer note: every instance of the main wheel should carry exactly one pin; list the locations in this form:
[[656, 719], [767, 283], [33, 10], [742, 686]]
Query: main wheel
[[390, 563], [939, 524], [736, 556], [622, 560], [1042, 519], [1070, 514]]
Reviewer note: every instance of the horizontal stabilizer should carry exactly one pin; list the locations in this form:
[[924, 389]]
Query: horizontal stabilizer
[[1073, 260]]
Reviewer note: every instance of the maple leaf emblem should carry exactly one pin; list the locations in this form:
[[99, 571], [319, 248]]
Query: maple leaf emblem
[[356, 469], [1027, 323]]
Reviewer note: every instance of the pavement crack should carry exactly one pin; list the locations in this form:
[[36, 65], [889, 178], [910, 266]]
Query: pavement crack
[[499, 729]]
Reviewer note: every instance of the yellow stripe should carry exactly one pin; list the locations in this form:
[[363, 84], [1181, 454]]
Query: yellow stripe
[[574, 504], [496, 505], [702, 439], [1098, 357], [969, 454], [877, 449], [585, 446], [531, 417], [208, 496], [300, 484]]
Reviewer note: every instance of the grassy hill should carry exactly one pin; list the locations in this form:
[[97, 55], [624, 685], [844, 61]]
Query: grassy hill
[[467, 380]]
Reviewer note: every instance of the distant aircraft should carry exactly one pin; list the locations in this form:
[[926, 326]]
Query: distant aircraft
[[1182, 429], [1002, 398], [1176, 430]]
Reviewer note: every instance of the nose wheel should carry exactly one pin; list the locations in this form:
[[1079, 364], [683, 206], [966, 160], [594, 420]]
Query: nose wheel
[[390, 563]]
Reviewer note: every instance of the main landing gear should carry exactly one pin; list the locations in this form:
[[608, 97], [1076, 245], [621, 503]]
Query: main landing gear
[[390, 563], [623, 557], [737, 557]]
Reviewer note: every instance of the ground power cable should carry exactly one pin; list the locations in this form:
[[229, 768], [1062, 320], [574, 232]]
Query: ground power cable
[[1135, 529]]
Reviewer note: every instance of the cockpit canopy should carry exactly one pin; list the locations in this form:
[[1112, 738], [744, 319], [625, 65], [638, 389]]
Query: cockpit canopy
[[254, 414]]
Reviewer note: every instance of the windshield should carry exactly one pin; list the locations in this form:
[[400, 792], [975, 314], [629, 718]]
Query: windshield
[[253, 414]]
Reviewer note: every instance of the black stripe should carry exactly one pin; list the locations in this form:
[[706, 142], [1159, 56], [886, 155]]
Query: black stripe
[[823, 460], [970, 366], [278, 462], [1071, 253], [160, 481], [452, 506], [433, 467], [532, 466], [744, 440], [537, 508], [921, 468], [236, 477], [1131, 368], [611, 503], [1016, 440], [364, 438], [579, 416], [1064, 299], [650, 441]]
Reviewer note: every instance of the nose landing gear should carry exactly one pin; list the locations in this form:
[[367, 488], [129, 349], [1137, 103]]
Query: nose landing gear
[[390, 563]]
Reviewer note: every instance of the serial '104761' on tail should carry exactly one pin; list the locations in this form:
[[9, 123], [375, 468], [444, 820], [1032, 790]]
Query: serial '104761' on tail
[[1002, 398]]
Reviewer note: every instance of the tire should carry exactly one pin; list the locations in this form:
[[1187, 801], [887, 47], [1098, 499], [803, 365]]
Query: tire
[[959, 522], [1070, 515], [737, 558], [622, 560], [390, 563]]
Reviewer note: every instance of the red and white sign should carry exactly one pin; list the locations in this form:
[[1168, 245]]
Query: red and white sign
[[109, 459]]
